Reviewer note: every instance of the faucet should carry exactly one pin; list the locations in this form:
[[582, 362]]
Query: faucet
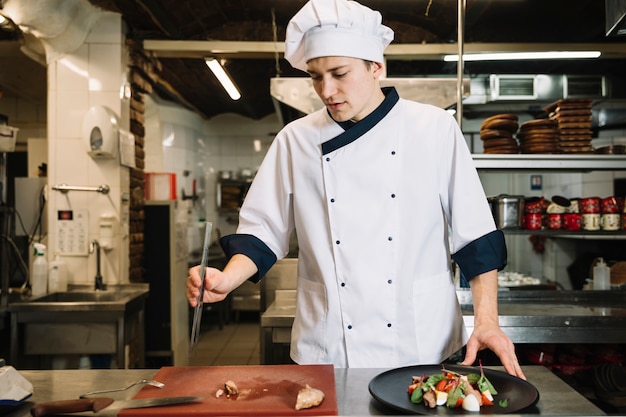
[[99, 284]]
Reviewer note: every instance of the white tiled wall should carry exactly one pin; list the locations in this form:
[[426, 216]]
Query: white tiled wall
[[179, 141], [92, 75]]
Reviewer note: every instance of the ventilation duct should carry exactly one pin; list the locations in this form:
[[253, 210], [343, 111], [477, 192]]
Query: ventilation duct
[[541, 89], [485, 95], [615, 17]]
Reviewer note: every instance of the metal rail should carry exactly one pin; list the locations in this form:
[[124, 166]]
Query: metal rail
[[64, 188]]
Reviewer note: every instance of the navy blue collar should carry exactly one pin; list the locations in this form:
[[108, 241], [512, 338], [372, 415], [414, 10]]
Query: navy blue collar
[[353, 131]]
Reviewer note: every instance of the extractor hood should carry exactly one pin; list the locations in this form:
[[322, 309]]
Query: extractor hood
[[295, 96], [531, 93], [543, 88], [484, 95], [615, 17]]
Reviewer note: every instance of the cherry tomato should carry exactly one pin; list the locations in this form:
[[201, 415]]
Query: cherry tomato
[[486, 398], [441, 385]]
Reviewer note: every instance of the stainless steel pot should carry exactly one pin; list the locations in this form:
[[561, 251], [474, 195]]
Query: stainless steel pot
[[507, 210]]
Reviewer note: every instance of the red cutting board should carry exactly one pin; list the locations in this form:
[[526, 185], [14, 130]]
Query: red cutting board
[[264, 390]]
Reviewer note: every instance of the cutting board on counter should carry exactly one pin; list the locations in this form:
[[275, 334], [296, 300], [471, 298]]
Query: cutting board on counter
[[264, 390]]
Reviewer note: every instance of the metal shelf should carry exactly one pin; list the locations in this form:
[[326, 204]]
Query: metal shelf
[[578, 234], [548, 162]]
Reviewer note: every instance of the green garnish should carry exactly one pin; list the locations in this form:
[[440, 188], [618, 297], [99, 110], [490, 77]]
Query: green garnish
[[484, 384], [417, 395], [504, 403]]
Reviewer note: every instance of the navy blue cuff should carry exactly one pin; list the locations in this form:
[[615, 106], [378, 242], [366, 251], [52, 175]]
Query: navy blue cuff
[[482, 255], [253, 248]]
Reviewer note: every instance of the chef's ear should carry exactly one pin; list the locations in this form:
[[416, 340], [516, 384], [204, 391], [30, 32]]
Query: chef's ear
[[377, 68]]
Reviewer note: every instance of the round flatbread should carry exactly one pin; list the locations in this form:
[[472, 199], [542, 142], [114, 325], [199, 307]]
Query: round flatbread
[[572, 113], [575, 138], [575, 132], [528, 132], [502, 150], [580, 149], [492, 134], [500, 124], [538, 140], [574, 143], [539, 123], [506, 116], [499, 142], [541, 148], [570, 119]]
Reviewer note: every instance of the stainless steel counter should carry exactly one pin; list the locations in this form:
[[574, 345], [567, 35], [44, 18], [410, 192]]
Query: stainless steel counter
[[99, 322], [525, 316], [556, 397]]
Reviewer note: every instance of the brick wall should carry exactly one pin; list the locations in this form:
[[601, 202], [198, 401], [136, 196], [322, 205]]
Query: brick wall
[[142, 77]]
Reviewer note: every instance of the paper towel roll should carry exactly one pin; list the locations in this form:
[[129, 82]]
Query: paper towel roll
[[101, 132]]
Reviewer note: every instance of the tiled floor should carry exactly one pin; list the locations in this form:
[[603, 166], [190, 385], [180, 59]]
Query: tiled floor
[[236, 343]]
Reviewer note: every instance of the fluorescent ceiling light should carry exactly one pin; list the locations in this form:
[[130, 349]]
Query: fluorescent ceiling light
[[223, 78], [504, 56], [2, 19]]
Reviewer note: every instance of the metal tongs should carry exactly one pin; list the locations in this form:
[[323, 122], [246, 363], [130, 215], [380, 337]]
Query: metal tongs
[[140, 382], [197, 314]]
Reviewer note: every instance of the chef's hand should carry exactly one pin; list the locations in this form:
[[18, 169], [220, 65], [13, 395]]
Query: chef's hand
[[213, 290], [490, 336], [218, 284]]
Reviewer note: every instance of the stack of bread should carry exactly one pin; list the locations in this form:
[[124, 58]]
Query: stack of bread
[[574, 119], [497, 133], [539, 136]]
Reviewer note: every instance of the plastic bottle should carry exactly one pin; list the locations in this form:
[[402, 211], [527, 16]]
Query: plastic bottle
[[601, 276], [39, 271], [57, 275]]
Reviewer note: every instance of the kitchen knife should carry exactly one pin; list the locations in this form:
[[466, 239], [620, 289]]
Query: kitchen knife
[[108, 406]]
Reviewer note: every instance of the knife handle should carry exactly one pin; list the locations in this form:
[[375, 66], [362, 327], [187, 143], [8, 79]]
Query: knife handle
[[70, 406]]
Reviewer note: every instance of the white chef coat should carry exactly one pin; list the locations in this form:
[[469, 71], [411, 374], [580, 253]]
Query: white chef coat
[[374, 278]]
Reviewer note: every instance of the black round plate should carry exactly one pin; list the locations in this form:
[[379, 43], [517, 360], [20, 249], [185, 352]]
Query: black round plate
[[390, 388]]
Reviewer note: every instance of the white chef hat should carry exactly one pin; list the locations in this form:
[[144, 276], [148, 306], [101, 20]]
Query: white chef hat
[[335, 28]]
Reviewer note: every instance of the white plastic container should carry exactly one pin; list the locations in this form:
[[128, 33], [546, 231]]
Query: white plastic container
[[601, 276], [57, 276], [39, 271]]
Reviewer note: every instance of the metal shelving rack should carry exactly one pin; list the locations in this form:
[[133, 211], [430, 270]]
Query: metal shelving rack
[[555, 163], [579, 163]]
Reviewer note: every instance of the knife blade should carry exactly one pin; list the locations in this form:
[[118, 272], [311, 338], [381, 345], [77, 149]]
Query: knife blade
[[102, 404], [197, 314]]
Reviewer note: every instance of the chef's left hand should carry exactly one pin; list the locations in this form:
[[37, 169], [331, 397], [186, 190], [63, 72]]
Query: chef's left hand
[[490, 336]]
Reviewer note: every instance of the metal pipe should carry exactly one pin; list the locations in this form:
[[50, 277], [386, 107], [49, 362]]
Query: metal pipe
[[460, 68], [64, 188], [99, 283]]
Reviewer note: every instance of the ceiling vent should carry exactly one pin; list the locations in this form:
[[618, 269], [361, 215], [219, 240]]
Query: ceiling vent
[[512, 87], [585, 86], [543, 87]]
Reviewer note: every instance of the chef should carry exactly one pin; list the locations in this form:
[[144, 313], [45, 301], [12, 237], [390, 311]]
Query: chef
[[382, 193]]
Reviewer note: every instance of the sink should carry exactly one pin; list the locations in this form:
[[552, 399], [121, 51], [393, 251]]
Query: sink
[[80, 297], [83, 298], [108, 321]]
